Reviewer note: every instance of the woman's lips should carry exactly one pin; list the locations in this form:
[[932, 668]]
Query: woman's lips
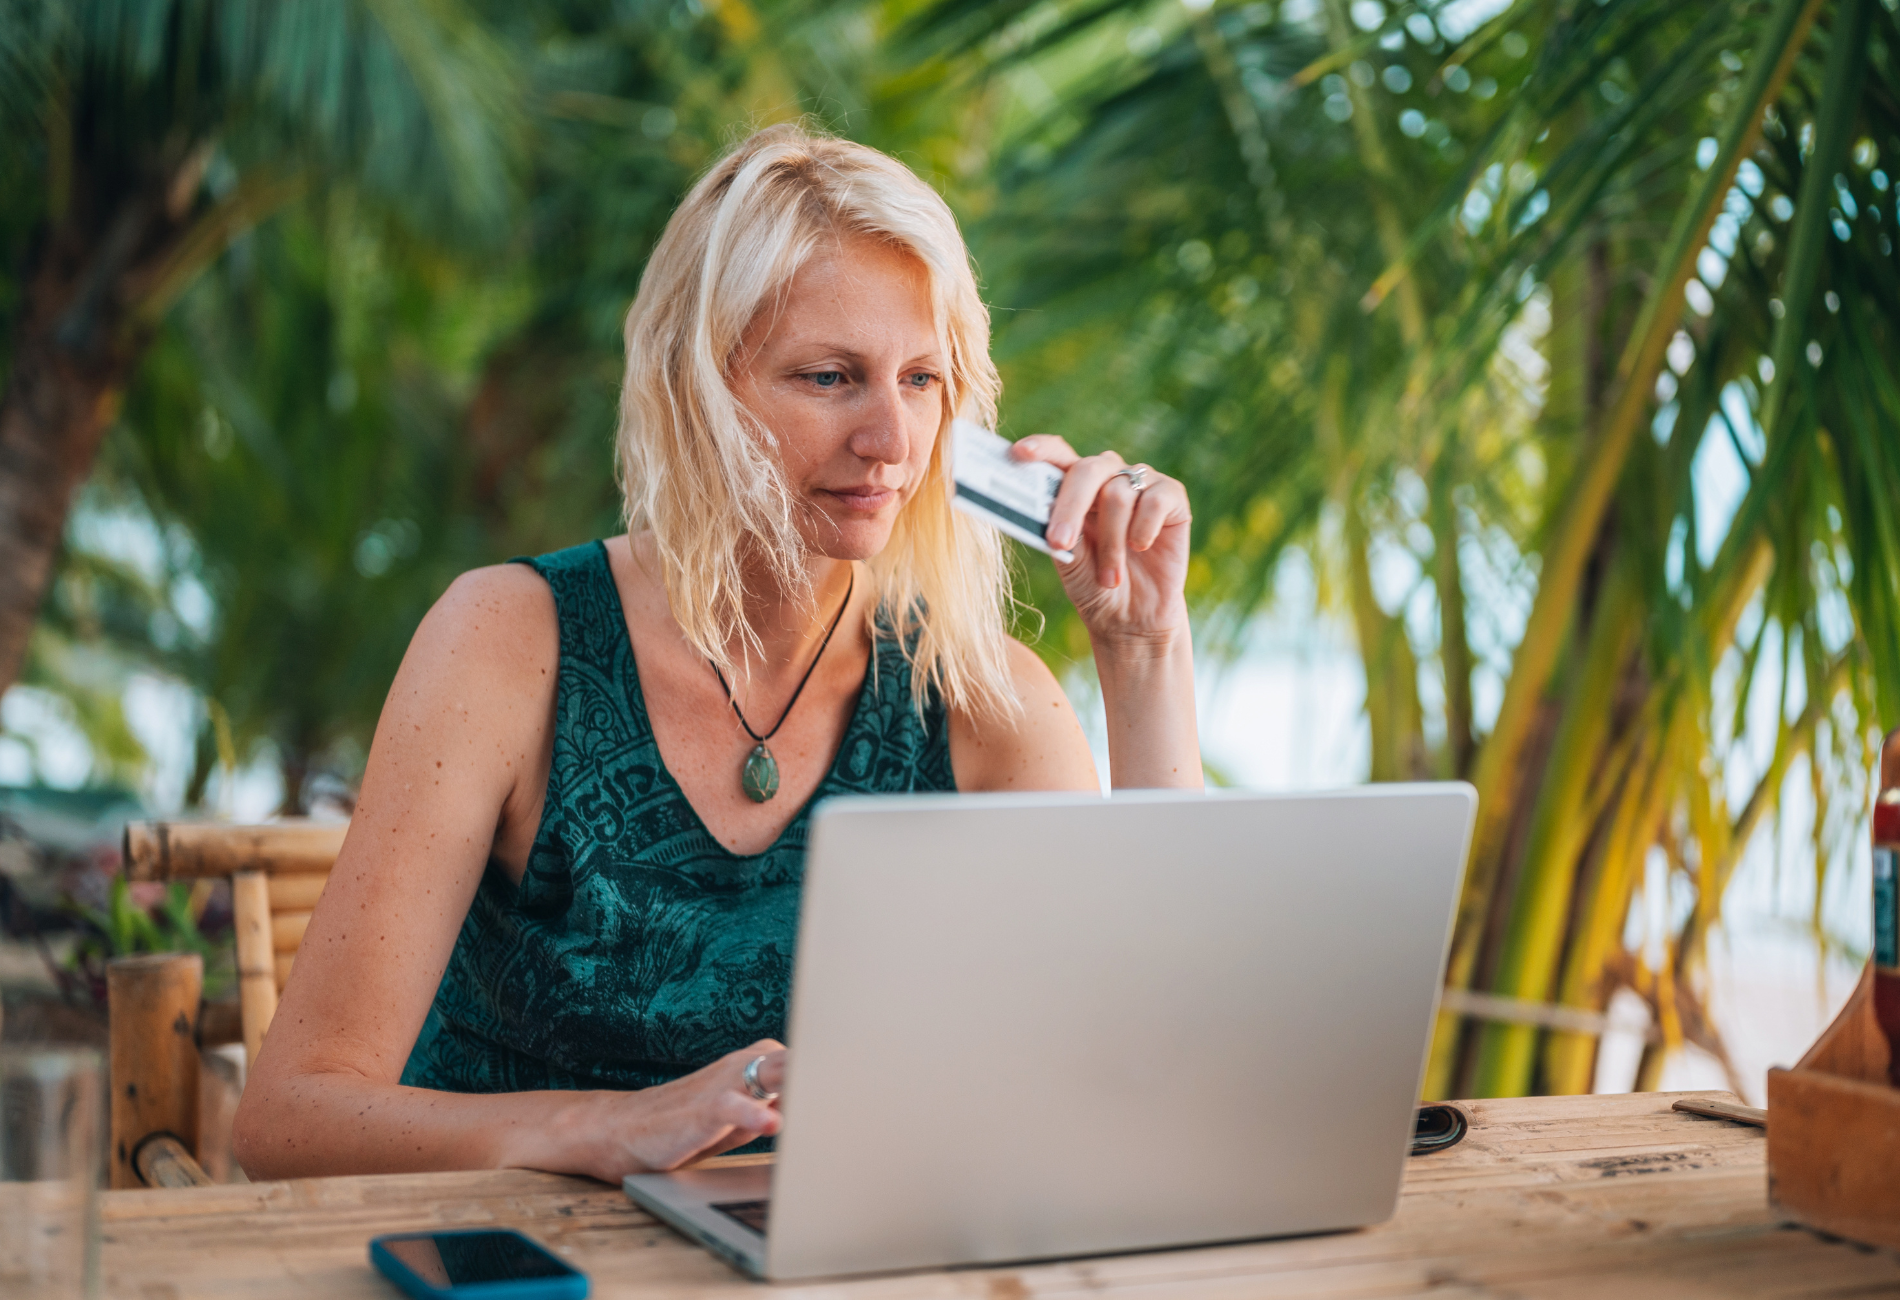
[[868, 500]]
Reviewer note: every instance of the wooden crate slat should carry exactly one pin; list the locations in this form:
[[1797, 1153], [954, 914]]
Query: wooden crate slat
[[1834, 1130]]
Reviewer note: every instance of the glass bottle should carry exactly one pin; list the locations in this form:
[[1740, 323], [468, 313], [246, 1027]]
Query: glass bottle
[[1887, 902]]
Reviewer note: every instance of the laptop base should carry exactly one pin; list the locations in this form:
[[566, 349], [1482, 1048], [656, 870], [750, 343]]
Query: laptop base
[[689, 1201]]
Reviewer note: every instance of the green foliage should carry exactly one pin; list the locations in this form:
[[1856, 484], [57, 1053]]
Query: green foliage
[[292, 414], [412, 99], [348, 409], [1425, 312], [149, 135], [122, 928]]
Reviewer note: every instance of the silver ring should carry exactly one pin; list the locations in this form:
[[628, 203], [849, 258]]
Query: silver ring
[[752, 1084], [1137, 476]]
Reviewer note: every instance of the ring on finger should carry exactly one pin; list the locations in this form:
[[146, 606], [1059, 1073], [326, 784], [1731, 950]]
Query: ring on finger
[[1137, 476], [752, 1084]]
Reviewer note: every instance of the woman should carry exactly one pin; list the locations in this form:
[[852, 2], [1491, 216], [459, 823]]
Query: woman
[[559, 933]]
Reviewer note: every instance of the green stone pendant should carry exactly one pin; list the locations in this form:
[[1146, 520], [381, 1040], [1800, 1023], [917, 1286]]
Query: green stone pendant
[[760, 777]]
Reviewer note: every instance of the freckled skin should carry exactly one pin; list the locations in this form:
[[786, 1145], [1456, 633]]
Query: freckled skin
[[846, 374]]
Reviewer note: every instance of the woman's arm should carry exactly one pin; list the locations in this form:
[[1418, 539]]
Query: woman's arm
[[459, 761], [1127, 580], [1148, 696]]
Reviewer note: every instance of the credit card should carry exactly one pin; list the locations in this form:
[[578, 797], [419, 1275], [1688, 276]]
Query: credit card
[[1016, 496]]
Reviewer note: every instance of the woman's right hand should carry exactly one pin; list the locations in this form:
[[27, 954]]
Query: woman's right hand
[[693, 1117]]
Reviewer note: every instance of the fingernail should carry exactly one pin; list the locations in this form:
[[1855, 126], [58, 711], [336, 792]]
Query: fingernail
[[1063, 537], [1111, 577]]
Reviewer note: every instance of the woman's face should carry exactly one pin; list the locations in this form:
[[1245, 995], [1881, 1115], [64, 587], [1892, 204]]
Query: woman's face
[[847, 374]]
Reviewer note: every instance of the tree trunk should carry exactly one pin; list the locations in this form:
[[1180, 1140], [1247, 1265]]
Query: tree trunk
[[71, 360], [124, 236], [75, 345], [295, 770]]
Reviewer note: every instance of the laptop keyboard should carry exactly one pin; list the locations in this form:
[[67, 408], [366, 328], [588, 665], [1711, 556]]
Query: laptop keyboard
[[750, 1213]]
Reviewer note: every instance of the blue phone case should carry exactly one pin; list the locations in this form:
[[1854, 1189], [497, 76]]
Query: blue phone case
[[571, 1285]]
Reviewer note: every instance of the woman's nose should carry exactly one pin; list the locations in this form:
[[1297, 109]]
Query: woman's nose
[[881, 434]]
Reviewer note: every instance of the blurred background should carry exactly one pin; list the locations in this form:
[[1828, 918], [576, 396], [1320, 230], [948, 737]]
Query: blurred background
[[1531, 365]]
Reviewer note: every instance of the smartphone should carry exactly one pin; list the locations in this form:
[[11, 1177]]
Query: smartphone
[[485, 1264]]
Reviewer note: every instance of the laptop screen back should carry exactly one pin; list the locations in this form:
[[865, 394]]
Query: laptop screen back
[[1034, 1026]]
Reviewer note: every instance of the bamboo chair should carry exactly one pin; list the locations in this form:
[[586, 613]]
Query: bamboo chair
[[277, 871]]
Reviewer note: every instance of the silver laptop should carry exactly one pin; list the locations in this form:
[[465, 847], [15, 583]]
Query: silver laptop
[[1034, 1026]]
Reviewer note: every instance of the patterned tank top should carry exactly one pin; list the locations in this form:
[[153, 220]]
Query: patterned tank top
[[637, 948]]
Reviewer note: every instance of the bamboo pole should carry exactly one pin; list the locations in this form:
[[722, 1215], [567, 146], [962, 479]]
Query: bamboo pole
[[187, 850], [152, 1001], [256, 958], [296, 893], [220, 1022], [162, 1161]]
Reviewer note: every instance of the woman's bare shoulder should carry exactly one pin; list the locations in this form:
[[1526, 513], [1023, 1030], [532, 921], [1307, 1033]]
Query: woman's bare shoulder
[[1043, 748], [499, 614], [480, 673]]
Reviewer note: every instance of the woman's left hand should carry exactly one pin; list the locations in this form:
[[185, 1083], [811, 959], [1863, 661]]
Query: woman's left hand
[[1131, 548]]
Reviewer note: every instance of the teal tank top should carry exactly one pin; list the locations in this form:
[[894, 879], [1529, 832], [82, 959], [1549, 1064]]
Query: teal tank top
[[637, 948]]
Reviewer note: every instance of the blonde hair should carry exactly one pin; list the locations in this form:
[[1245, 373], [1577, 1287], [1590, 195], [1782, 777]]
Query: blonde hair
[[702, 474]]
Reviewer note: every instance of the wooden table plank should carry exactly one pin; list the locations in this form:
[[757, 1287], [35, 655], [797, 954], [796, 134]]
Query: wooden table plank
[[1551, 1198]]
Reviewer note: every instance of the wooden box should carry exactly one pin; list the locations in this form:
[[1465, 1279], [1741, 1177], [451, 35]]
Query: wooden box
[[1834, 1131]]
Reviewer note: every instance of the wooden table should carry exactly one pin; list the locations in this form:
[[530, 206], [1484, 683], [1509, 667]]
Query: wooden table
[[1579, 1196]]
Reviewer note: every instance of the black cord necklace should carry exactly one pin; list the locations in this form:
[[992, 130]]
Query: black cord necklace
[[759, 777]]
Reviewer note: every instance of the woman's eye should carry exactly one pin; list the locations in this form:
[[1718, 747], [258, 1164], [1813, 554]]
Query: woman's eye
[[826, 378], [921, 380]]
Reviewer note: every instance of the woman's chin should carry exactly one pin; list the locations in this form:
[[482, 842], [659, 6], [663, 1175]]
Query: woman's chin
[[849, 538]]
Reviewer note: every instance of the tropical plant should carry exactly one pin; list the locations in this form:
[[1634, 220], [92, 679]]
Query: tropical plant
[[145, 136], [349, 408], [124, 928], [1648, 612], [291, 428], [1414, 298]]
